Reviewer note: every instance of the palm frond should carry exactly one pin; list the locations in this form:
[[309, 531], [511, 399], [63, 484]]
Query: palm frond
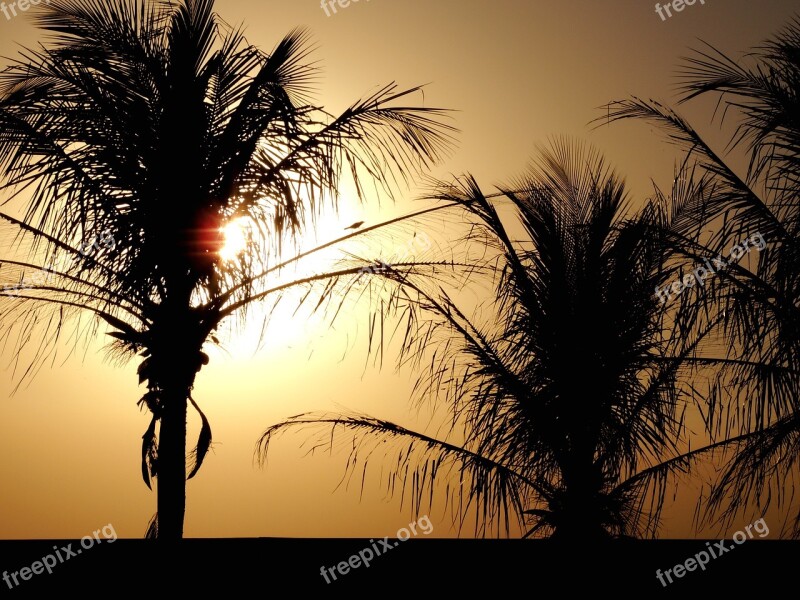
[[413, 464]]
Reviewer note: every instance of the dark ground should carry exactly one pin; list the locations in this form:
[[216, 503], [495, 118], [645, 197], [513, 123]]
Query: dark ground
[[423, 568]]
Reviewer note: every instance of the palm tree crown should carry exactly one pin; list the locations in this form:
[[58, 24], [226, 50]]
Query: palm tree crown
[[754, 397], [564, 390], [155, 124]]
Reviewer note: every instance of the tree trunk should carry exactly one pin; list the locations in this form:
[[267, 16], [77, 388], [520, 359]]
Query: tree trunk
[[172, 464], [177, 360], [581, 501]]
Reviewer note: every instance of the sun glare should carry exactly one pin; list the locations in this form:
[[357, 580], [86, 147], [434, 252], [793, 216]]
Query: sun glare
[[236, 235], [286, 328]]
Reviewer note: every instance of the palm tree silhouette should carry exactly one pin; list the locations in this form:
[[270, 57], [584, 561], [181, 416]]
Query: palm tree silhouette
[[754, 396], [565, 394], [156, 124]]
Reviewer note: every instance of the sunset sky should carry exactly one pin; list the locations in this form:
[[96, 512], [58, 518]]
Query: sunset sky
[[517, 74]]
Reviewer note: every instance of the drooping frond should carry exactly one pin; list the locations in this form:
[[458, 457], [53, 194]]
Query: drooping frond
[[415, 466]]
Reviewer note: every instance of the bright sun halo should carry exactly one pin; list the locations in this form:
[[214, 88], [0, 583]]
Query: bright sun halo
[[236, 235]]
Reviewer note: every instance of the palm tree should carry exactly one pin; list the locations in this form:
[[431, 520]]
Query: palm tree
[[754, 394], [564, 392], [151, 125]]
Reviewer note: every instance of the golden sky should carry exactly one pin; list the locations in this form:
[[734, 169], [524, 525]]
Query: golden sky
[[517, 72]]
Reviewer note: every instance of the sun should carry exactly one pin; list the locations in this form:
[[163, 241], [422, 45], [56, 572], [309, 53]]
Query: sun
[[284, 326], [236, 236]]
